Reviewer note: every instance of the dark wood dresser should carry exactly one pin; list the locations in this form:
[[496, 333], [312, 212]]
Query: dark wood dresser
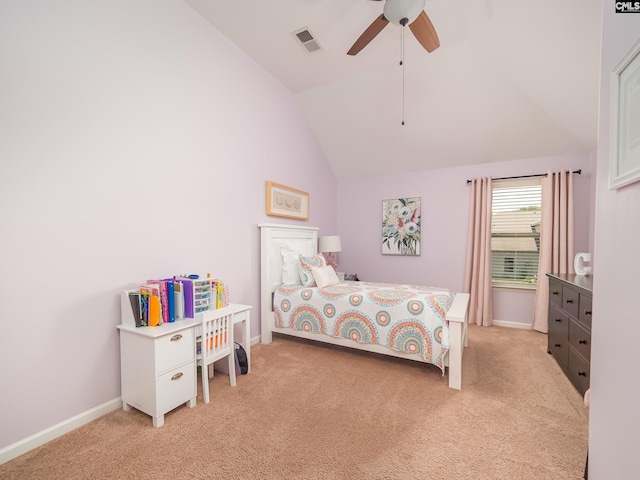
[[570, 325]]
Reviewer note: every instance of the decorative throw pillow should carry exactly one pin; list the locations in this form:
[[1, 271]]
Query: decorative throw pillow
[[305, 266], [325, 276], [291, 258]]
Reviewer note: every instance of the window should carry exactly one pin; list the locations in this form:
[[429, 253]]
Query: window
[[515, 232]]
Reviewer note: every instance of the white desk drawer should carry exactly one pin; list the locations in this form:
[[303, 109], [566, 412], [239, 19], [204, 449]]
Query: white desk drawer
[[176, 387], [174, 349]]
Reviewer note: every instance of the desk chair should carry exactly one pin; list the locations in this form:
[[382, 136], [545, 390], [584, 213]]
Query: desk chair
[[214, 343]]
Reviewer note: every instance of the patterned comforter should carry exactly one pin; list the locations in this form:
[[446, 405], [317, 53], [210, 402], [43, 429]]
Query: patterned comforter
[[405, 318]]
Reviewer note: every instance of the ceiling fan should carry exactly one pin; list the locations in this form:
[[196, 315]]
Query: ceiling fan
[[401, 12]]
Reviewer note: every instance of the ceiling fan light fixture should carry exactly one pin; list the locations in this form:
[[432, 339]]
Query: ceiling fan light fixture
[[396, 10]]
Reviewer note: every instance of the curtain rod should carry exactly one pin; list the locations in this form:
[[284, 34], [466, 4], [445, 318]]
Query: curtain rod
[[529, 176]]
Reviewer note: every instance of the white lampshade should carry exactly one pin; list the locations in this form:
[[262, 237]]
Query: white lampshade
[[396, 10], [330, 243]]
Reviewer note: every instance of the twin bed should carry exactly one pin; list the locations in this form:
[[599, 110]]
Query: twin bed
[[420, 323]]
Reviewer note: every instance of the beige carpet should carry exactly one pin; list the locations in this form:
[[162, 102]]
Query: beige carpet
[[311, 411]]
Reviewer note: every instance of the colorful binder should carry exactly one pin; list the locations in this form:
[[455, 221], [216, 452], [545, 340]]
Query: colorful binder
[[164, 301], [178, 300], [171, 311], [151, 295], [187, 291]]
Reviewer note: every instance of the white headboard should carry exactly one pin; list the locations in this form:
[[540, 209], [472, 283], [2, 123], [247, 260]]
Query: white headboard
[[272, 237]]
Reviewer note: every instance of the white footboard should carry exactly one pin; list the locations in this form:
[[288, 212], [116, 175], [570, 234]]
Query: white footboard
[[457, 318]]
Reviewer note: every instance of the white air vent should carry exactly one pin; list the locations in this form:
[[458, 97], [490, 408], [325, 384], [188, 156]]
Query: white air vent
[[306, 39]]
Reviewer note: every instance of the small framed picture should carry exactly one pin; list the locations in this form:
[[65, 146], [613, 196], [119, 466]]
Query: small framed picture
[[624, 164], [283, 201]]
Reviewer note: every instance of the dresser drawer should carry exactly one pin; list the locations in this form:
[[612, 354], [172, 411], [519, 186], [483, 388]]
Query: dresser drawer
[[558, 322], [559, 346], [555, 293], [580, 339], [174, 349], [585, 310], [579, 371], [570, 301], [176, 387]]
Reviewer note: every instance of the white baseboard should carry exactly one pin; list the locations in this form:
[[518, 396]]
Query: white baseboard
[[507, 324], [23, 446]]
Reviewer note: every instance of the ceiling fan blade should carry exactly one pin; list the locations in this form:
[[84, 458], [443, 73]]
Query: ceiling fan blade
[[424, 32], [369, 34]]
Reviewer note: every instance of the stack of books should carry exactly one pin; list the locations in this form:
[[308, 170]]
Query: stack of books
[[170, 299]]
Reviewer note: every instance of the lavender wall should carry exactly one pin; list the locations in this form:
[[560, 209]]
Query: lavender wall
[[615, 386], [445, 204], [136, 142]]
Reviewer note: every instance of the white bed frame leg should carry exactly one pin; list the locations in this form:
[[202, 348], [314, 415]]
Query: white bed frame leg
[[266, 337], [266, 319], [457, 318]]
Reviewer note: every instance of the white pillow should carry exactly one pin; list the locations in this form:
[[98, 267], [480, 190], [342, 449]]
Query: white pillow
[[325, 276], [291, 252]]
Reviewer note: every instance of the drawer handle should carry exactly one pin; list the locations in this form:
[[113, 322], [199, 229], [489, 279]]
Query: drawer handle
[[582, 342], [587, 312], [582, 374], [176, 337], [555, 293], [569, 301], [558, 320], [177, 376], [558, 345]]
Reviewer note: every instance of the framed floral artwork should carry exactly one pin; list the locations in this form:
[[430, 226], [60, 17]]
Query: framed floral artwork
[[401, 226]]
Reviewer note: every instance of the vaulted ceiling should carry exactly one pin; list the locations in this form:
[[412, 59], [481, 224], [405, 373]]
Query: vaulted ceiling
[[511, 79]]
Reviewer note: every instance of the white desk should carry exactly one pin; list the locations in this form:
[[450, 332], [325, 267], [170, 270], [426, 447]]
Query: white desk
[[158, 364]]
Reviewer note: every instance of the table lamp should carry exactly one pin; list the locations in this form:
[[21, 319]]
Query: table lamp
[[328, 246]]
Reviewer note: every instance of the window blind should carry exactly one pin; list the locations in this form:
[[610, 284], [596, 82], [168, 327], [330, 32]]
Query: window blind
[[515, 232]]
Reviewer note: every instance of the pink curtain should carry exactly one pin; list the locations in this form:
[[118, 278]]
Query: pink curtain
[[477, 275], [556, 239]]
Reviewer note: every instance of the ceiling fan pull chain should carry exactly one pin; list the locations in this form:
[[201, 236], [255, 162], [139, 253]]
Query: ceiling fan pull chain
[[401, 46]]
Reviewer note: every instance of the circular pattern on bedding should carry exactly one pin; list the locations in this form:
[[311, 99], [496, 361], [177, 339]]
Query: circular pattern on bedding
[[427, 289], [355, 300], [307, 319], [333, 292], [388, 298], [440, 303], [383, 318], [329, 310], [378, 285], [356, 326], [410, 337], [277, 316], [437, 335], [306, 294], [288, 289], [415, 307], [285, 305]]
